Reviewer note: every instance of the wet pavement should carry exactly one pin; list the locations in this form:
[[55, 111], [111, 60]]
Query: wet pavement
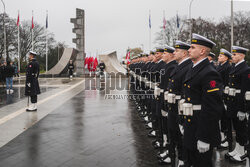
[[76, 126], [19, 89]]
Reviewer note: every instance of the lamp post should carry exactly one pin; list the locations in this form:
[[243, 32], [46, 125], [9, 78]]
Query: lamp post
[[232, 25], [4, 31], [191, 24]]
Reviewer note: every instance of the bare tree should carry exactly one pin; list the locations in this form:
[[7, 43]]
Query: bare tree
[[171, 33], [219, 32], [135, 51]]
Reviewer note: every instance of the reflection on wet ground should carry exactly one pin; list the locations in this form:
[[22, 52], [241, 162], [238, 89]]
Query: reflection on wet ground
[[18, 94], [86, 131], [19, 89]]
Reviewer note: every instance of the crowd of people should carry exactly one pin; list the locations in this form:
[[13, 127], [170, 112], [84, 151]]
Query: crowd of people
[[191, 104], [8, 70]]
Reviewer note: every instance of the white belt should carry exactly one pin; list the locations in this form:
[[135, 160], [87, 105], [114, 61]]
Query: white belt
[[143, 80], [172, 98], [140, 78], [247, 95], [148, 83], [188, 109], [164, 113], [152, 85], [226, 90], [178, 97], [233, 91], [157, 91], [180, 106], [166, 95]]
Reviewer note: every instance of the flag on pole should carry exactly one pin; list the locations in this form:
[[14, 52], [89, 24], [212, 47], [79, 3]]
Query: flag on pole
[[18, 39], [18, 20], [46, 41], [90, 64], [149, 20], [164, 22], [178, 21], [128, 58], [32, 24], [32, 32], [95, 64], [47, 21]]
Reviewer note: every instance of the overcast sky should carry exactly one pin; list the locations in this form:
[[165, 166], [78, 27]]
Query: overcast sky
[[115, 24]]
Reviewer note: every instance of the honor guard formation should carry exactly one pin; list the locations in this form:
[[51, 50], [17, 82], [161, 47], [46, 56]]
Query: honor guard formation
[[190, 105]]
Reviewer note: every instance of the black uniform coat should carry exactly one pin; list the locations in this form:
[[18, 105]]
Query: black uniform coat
[[2, 74], [156, 71], [212, 63], [71, 68], [224, 71], [203, 86], [168, 69], [238, 79], [32, 73], [175, 85], [9, 71], [102, 66]]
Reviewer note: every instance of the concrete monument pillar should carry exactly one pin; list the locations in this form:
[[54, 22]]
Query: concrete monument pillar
[[79, 30]]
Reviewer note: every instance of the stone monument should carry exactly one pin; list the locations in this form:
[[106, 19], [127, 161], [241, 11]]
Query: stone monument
[[79, 30]]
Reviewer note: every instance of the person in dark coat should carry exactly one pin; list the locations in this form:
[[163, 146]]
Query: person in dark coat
[[203, 105], [32, 88], [9, 72], [224, 69], [1, 73], [211, 57], [175, 94], [170, 64], [247, 98], [236, 110], [2, 69], [71, 69], [102, 67]]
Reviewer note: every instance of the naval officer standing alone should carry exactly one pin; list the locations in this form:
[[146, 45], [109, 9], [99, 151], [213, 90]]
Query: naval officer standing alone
[[32, 88]]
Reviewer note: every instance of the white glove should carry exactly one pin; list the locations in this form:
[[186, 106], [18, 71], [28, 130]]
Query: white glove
[[181, 129], [225, 106], [241, 115], [28, 84], [202, 147]]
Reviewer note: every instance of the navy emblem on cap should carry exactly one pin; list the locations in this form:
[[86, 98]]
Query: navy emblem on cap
[[200, 40], [226, 53], [238, 49], [169, 49], [181, 45]]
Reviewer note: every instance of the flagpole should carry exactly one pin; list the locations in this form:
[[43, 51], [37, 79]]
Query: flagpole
[[164, 28], [32, 33], [46, 41], [232, 25], [177, 22], [18, 47], [150, 30]]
